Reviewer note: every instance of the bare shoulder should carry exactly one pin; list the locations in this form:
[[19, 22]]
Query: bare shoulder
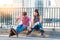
[[32, 18], [40, 16]]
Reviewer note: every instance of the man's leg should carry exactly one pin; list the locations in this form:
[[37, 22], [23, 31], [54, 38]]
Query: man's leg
[[12, 32], [20, 29]]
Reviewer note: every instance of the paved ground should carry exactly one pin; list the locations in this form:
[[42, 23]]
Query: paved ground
[[27, 38], [49, 35]]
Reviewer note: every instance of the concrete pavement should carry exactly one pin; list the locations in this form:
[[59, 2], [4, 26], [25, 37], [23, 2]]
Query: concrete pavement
[[27, 38], [49, 35]]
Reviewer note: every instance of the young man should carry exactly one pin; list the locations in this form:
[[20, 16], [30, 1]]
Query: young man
[[25, 22]]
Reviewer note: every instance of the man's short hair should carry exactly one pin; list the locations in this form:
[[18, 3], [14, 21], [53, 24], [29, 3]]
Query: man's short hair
[[24, 13]]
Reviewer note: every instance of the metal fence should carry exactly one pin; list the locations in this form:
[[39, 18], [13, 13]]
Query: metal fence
[[50, 15]]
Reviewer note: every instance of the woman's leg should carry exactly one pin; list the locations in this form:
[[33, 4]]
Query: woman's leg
[[29, 31], [41, 28]]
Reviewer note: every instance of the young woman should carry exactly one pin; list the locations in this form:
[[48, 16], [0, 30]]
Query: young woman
[[25, 22], [36, 23]]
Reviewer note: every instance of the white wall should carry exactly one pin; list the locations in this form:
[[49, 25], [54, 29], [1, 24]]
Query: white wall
[[17, 3], [46, 3]]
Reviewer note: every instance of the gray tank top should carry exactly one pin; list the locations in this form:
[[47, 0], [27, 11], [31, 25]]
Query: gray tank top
[[36, 19]]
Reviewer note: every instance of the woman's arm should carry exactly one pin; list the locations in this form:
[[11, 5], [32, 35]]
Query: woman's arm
[[41, 21]]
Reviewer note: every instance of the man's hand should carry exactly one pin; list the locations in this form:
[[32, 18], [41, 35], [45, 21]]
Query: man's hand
[[29, 28]]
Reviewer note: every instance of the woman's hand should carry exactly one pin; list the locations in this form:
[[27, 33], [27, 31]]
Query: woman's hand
[[15, 22]]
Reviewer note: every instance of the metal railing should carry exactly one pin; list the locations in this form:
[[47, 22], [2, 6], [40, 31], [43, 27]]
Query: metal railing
[[50, 15]]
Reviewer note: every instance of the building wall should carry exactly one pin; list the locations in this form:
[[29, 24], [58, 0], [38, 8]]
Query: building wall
[[49, 3], [57, 3]]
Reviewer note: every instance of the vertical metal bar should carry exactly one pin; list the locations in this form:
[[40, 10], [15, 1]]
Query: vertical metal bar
[[42, 12], [59, 17], [12, 16], [7, 17], [4, 18], [22, 5], [47, 16], [52, 15], [1, 18], [54, 18]]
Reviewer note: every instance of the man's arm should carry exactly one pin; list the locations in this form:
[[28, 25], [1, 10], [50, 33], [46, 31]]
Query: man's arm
[[17, 19], [32, 22]]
